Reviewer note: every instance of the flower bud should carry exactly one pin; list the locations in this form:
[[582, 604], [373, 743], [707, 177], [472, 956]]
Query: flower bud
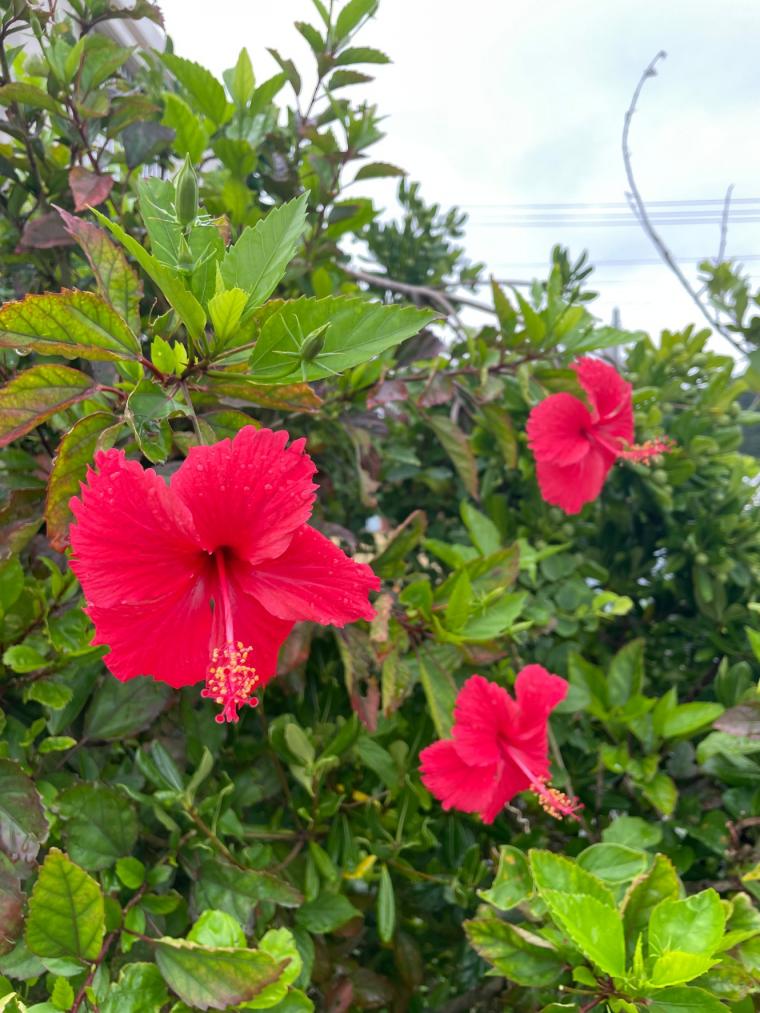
[[313, 344], [186, 193], [185, 260]]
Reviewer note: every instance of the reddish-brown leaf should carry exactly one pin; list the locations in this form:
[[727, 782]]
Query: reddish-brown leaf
[[89, 188], [44, 232]]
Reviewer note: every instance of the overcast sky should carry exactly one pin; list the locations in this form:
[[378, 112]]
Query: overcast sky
[[492, 103]]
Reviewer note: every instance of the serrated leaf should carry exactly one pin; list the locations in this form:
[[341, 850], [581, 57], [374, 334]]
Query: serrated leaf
[[75, 451], [676, 967], [100, 825], [345, 78], [122, 709], [513, 882], [376, 170], [459, 603], [361, 54], [235, 389], [148, 410], [495, 619], [190, 135], [594, 927], [326, 913], [226, 311], [200, 84], [69, 323], [140, 989], [356, 332], [241, 81], [28, 95], [89, 188], [257, 262], [458, 448], [693, 925], [659, 883], [441, 693], [66, 913], [34, 395], [214, 977], [217, 928], [155, 199], [351, 15], [613, 863], [238, 891], [183, 301], [117, 283], [483, 532], [516, 954], [684, 999]]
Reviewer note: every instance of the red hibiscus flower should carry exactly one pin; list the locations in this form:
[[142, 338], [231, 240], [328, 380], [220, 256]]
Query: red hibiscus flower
[[576, 444], [498, 747], [205, 577]]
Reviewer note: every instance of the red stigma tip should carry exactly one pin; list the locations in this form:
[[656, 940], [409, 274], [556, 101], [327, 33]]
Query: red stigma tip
[[230, 680]]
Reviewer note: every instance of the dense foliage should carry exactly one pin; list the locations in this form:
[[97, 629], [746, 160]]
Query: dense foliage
[[180, 260]]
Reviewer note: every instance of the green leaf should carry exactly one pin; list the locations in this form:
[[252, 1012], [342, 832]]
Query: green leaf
[[686, 719], [483, 532], [513, 883], [131, 872], [386, 906], [693, 925], [754, 640], [120, 710], [226, 311], [187, 307], [626, 673], [237, 891], [460, 601], [190, 134], [214, 977], [23, 827], [372, 170], [358, 331], [117, 283], [516, 954], [21, 658], [441, 693], [148, 410], [676, 967], [458, 448], [351, 15], [68, 323], [280, 945], [328, 912], [361, 54], [633, 831], [206, 92], [28, 95], [583, 907], [75, 451], [684, 1000], [66, 914], [257, 262], [240, 80], [36, 394], [217, 928], [662, 793], [659, 883], [140, 989], [156, 202], [495, 619], [100, 825], [379, 761], [346, 78], [613, 863]]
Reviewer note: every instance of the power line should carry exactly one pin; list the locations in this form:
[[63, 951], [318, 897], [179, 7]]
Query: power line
[[593, 223], [624, 262], [620, 204]]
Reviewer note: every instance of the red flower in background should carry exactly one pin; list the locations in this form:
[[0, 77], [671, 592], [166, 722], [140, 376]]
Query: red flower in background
[[576, 444], [205, 577], [498, 747]]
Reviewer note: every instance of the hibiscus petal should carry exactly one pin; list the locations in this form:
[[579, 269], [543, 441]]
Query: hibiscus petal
[[168, 639], [557, 429], [249, 493], [573, 486], [538, 692], [610, 393], [483, 711], [510, 782], [455, 784], [311, 580], [254, 626], [132, 541]]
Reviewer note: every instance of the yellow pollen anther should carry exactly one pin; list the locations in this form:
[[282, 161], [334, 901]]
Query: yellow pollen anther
[[555, 802], [231, 680]]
